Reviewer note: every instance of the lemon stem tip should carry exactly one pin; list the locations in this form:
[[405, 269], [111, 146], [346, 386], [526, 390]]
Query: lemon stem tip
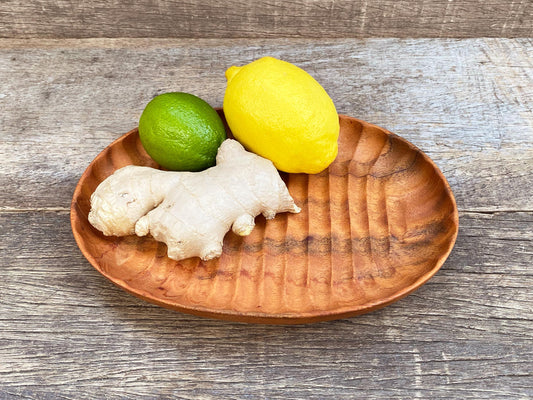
[[231, 72]]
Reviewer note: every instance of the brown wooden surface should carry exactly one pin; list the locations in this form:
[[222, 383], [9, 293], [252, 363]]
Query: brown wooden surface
[[255, 19], [374, 226], [66, 332]]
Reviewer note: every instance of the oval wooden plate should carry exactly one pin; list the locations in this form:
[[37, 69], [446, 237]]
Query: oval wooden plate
[[376, 225]]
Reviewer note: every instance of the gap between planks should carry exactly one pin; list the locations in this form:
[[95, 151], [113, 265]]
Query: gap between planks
[[8, 210]]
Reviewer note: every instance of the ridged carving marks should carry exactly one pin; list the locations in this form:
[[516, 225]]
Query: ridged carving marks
[[374, 226]]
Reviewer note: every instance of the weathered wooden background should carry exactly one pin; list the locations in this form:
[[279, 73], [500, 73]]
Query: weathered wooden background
[[266, 18], [67, 333]]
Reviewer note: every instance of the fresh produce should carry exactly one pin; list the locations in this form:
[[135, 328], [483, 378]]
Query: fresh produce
[[191, 212], [274, 108], [280, 112], [181, 132]]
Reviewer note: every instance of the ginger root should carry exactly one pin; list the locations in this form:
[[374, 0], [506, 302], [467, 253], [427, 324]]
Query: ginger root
[[191, 211]]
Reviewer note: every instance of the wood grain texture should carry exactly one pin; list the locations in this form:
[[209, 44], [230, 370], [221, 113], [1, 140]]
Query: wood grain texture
[[374, 226], [256, 19], [465, 103], [65, 332]]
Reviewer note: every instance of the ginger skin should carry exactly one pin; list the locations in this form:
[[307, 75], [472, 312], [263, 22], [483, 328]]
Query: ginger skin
[[191, 211]]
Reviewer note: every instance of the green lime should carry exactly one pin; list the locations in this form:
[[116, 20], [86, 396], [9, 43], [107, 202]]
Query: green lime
[[181, 132]]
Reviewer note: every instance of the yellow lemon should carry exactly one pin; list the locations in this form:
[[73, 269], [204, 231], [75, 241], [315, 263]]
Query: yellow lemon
[[280, 112]]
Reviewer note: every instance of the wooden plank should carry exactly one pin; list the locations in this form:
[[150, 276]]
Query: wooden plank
[[238, 18], [465, 103], [66, 332]]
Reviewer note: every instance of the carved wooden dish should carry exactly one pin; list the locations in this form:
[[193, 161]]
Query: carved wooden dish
[[374, 227]]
